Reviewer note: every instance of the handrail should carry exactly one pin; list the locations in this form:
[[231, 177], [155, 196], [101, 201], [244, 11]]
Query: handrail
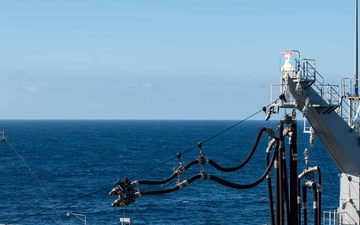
[[330, 217], [342, 101], [330, 93]]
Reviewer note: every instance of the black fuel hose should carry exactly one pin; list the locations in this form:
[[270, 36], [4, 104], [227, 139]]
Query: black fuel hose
[[214, 178], [248, 157], [159, 182], [317, 195], [268, 182], [246, 186], [175, 188]]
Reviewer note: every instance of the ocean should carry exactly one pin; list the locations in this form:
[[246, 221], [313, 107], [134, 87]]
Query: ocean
[[49, 168]]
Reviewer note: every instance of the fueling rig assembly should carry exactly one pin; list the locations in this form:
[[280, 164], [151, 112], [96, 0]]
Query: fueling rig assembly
[[333, 119]]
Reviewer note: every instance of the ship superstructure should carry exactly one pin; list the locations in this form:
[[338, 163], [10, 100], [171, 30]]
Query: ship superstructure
[[332, 113]]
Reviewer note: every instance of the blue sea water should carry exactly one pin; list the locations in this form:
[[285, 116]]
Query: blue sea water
[[78, 162]]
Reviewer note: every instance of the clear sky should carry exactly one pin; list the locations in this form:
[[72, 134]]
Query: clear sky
[[151, 59]]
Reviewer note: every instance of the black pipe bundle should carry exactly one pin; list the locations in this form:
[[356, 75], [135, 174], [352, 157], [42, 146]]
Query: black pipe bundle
[[316, 194], [293, 158], [124, 196]]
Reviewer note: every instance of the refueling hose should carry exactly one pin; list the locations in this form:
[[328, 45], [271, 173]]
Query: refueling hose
[[317, 194], [127, 195], [310, 184], [246, 186], [175, 188], [176, 172], [214, 178], [268, 181], [202, 160], [248, 157], [304, 204]]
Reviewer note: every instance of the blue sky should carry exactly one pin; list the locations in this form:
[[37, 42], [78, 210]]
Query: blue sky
[[161, 59]]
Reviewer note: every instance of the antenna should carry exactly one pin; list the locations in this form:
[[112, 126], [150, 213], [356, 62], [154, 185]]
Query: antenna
[[356, 50]]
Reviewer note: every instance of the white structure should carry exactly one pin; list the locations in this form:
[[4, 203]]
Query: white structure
[[126, 221]]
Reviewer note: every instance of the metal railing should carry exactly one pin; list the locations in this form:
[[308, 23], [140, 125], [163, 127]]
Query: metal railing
[[310, 73], [343, 102], [276, 90], [346, 108], [330, 217], [349, 102]]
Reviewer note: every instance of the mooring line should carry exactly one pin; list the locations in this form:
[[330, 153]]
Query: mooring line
[[32, 173]]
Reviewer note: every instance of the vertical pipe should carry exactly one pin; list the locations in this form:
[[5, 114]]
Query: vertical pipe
[[293, 173], [356, 49], [270, 197], [285, 189], [305, 204], [319, 191], [277, 191], [298, 209], [280, 158], [316, 209]]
